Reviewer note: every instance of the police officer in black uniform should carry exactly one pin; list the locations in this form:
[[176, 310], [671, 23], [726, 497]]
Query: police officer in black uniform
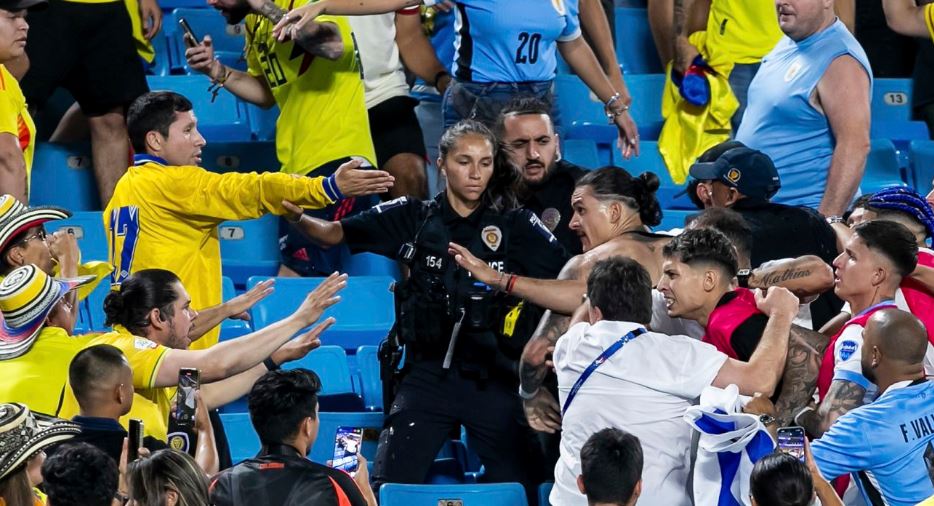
[[463, 338], [545, 181]]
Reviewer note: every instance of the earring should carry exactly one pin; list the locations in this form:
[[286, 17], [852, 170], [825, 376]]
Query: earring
[[558, 155]]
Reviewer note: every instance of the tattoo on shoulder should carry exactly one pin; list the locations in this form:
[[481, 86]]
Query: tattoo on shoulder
[[843, 397], [272, 11]]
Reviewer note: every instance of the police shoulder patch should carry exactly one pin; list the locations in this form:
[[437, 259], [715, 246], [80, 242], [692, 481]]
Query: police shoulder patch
[[385, 206], [847, 349]]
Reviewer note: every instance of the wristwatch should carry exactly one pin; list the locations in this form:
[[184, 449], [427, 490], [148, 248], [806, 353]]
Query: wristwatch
[[835, 219], [527, 395], [766, 420], [742, 276]]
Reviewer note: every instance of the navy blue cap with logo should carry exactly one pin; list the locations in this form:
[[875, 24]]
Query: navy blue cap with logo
[[750, 171], [18, 5]]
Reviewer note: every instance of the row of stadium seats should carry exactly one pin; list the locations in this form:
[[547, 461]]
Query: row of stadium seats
[[68, 181]]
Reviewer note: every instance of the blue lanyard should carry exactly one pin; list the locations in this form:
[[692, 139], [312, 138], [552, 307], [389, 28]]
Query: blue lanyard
[[607, 353], [885, 303]]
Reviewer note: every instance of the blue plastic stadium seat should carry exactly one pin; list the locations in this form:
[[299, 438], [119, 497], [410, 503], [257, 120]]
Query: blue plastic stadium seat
[[670, 195], [579, 107], [225, 119], [331, 366], [371, 385], [364, 315], [160, 65], [263, 122], [882, 167], [250, 248], [247, 156], [489, 494], [901, 133], [674, 218], [582, 113], [369, 264], [635, 47], [228, 40], [544, 490], [231, 329], [168, 5], [88, 229], [891, 100], [62, 175], [582, 152], [244, 443], [922, 165]]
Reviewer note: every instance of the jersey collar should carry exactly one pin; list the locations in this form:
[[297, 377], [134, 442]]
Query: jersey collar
[[142, 159]]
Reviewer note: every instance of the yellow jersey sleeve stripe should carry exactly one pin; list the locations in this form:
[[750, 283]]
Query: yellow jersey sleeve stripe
[[154, 371], [929, 18]]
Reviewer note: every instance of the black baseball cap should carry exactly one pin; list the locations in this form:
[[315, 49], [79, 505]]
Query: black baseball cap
[[750, 171], [18, 5]]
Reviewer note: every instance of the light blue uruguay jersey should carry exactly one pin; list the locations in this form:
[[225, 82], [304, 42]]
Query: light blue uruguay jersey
[[889, 443], [511, 41]]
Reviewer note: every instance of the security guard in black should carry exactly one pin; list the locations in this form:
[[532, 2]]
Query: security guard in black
[[477, 389]]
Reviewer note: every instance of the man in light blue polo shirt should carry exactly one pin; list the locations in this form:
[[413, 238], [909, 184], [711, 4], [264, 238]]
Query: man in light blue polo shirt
[[889, 443], [809, 108]]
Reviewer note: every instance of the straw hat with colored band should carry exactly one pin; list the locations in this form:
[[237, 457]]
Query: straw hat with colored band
[[27, 296], [15, 218], [24, 434]]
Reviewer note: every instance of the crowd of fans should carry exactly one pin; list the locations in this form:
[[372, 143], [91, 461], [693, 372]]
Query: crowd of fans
[[774, 349]]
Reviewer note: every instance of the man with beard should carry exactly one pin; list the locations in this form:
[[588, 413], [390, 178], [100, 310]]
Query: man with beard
[[315, 79], [546, 182]]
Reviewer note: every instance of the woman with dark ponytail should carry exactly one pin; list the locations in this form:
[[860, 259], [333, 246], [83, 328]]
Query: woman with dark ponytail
[[448, 321]]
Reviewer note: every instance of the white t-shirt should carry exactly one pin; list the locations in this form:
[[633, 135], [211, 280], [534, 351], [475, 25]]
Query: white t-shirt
[[664, 324], [383, 77], [644, 389], [847, 360]]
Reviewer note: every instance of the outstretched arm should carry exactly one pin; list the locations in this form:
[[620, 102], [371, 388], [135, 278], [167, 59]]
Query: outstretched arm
[[597, 27], [234, 308], [562, 295]]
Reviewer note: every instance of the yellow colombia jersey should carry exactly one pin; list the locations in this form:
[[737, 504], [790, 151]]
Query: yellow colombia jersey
[[323, 115], [143, 46], [38, 377], [150, 404], [15, 118], [166, 217], [929, 18], [745, 29]]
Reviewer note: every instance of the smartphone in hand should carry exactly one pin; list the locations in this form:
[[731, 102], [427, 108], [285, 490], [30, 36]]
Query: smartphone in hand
[[791, 441], [135, 440], [183, 23], [189, 381], [346, 447]]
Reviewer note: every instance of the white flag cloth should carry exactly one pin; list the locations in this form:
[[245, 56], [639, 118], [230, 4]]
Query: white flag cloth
[[730, 444]]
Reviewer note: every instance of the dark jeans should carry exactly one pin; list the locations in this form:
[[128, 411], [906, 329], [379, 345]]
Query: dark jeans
[[484, 101], [739, 82]]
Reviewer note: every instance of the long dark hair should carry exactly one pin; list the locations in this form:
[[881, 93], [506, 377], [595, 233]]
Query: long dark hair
[[138, 295], [499, 192], [614, 183]]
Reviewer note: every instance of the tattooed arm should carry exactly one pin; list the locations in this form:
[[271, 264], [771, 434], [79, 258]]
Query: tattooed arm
[[805, 349], [320, 39], [842, 397], [541, 408], [804, 276]]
